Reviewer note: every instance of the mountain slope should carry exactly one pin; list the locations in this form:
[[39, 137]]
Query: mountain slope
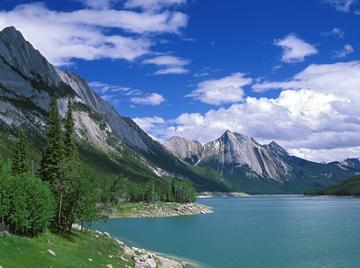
[[349, 186], [255, 168], [115, 143]]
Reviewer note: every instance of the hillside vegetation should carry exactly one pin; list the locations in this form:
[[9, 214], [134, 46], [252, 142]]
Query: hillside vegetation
[[349, 186]]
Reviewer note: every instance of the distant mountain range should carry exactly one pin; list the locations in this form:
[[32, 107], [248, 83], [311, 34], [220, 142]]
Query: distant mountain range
[[109, 143], [255, 168]]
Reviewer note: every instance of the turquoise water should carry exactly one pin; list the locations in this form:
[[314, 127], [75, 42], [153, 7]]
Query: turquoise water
[[256, 231]]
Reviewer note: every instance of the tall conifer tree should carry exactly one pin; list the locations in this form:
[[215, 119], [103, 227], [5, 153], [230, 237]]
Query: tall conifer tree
[[18, 164], [70, 149], [53, 153]]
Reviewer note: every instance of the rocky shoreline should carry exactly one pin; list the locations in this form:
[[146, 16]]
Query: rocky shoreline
[[222, 194], [140, 257], [152, 210]]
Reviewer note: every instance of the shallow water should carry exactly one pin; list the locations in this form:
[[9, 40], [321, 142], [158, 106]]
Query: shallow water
[[254, 231]]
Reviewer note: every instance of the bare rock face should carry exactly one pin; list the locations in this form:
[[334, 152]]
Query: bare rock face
[[189, 151], [235, 149]]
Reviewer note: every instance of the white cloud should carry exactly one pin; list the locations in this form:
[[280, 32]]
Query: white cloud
[[295, 49], [167, 61], [341, 5], [172, 70], [228, 89], [315, 116], [347, 50], [101, 87], [147, 123], [336, 32], [327, 155], [98, 4], [83, 33], [169, 64], [153, 99], [152, 4]]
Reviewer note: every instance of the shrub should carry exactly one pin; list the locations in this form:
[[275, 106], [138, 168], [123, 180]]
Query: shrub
[[29, 204]]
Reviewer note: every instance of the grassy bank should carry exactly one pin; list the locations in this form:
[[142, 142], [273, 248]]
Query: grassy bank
[[76, 250]]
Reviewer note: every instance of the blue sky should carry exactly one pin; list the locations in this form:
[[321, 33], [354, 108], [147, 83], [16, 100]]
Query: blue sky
[[276, 70]]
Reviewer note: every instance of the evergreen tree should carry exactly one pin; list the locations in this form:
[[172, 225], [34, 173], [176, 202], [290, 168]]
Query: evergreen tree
[[53, 152], [19, 165], [70, 149]]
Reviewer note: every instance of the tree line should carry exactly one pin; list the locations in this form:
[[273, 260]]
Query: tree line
[[62, 191], [173, 190]]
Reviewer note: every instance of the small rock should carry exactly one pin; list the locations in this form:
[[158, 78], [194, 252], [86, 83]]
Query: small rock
[[107, 234], [141, 251], [111, 256], [151, 263], [4, 233], [139, 265], [120, 243], [124, 259], [137, 258], [90, 259], [52, 253], [109, 266], [129, 252]]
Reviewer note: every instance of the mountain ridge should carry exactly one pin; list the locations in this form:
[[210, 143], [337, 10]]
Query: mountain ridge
[[27, 83], [247, 165]]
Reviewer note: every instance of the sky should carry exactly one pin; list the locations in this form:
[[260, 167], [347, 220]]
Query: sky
[[278, 70]]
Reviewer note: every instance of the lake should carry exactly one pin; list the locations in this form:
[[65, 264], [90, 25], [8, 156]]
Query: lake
[[255, 231]]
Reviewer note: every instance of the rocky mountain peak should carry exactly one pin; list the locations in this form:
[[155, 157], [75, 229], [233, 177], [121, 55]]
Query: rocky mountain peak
[[277, 149], [18, 53], [189, 151]]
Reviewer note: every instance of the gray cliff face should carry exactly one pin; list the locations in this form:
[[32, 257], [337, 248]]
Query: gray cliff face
[[189, 151], [234, 148], [238, 150]]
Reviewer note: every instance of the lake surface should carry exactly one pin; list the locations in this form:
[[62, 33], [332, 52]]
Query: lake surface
[[255, 231]]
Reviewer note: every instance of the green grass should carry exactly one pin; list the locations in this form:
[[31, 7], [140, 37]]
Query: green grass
[[71, 251]]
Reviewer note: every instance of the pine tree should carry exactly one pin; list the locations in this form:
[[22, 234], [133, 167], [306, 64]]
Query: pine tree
[[53, 152], [19, 165], [70, 149]]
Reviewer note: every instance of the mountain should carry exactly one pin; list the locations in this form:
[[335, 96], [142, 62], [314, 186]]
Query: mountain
[[347, 187], [255, 168], [109, 143], [353, 163], [189, 151]]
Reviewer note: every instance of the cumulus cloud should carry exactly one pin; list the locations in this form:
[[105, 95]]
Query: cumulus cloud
[[168, 64], [83, 34], [347, 50], [148, 123], [228, 89], [153, 99], [295, 49], [316, 115]]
